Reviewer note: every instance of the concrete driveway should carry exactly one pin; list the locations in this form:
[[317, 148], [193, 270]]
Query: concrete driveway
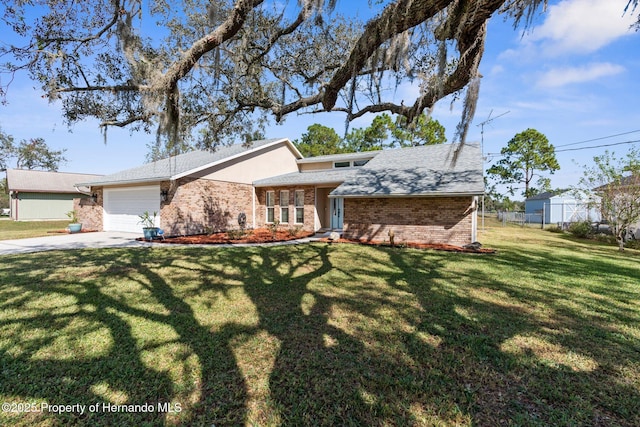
[[104, 239]]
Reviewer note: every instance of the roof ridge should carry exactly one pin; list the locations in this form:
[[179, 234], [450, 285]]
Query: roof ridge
[[174, 167], [58, 172]]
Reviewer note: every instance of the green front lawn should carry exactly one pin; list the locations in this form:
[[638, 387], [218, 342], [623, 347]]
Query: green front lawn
[[545, 332], [10, 229]]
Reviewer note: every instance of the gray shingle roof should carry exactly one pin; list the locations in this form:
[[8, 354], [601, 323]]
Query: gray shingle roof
[[418, 171], [546, 195], [325, 176], [179, 165], [340, 157], [35, 181], [629, 180], [542, 196]]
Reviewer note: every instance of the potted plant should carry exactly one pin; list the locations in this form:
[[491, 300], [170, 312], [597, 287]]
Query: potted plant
[[148, 222], [74, 226]]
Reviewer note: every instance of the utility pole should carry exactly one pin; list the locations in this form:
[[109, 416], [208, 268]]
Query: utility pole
[[481, 124]]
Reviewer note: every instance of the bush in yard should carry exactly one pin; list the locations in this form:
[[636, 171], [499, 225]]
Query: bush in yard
[[555, 229], [632, 244], [294, 231], [273, 228], [581, 229], [605, 238], [236, 234]]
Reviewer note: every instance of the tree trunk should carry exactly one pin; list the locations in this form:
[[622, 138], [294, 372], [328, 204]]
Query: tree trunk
[[620, 239]]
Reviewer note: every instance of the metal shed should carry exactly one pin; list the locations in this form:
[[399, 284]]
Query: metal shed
[[559, 208]]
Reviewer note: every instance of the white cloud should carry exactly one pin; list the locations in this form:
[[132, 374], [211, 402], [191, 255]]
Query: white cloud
[[549, 106], [563, 76], [582, 26], [496, 70]]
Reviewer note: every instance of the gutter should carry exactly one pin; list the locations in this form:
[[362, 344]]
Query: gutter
[[86, 193], [128, 182], [400, 196], [284, 184]]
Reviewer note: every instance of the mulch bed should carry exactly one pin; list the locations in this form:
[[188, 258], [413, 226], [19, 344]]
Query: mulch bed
[[263, 235]]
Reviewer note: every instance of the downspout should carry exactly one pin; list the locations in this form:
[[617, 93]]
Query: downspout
[[316, 215], [483, 212], [474, 219], [253, 206]]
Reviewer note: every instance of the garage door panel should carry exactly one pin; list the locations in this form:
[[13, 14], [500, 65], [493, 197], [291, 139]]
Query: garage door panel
[[131, 207], [122, 207]]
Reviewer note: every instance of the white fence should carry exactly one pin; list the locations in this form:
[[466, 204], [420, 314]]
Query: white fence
[[516, 217], [561, 214]]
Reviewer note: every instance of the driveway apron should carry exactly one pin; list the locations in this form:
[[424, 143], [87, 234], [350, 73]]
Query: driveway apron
[[105, 239]]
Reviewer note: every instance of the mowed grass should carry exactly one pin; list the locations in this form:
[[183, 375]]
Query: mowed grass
[[545, 332], [10, 229]]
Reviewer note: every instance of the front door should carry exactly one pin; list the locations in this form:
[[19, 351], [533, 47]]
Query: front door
[[337, 210]]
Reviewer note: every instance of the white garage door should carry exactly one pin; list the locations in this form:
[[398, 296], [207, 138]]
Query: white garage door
[[122, 207]]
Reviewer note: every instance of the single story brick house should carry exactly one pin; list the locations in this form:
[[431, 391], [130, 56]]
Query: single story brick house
[[422, 194], [36, 195]]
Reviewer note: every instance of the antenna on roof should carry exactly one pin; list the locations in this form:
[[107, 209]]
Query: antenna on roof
[[486, 122], [481, 124]]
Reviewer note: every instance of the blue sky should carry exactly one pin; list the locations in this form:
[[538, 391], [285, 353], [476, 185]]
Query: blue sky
[[573, 76]]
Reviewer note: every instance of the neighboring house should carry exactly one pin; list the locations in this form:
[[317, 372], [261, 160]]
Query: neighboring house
[[421, 194], [627, 198], [43, 195], [559, 208]]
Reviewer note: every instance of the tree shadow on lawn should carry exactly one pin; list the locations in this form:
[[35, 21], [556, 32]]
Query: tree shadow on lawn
[[594, 277], [333, 335], [550, 354], [453, 358], [129, 365], [330, 362]]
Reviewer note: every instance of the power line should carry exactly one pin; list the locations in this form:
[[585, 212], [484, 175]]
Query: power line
[[598, 139], [580, 148], [598, 146], [584, 142]]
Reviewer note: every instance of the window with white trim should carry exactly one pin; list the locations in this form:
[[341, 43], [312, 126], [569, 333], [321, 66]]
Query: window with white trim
[[271, 199], [299, 206], [284, 206]]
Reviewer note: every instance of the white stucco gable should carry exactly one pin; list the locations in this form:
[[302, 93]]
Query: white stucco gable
[[276, 159]]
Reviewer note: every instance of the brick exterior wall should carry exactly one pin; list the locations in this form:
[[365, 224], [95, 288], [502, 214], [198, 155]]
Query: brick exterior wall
[[196, 206], [422, 220], [309, 206], [90, 212], [199, 205]]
